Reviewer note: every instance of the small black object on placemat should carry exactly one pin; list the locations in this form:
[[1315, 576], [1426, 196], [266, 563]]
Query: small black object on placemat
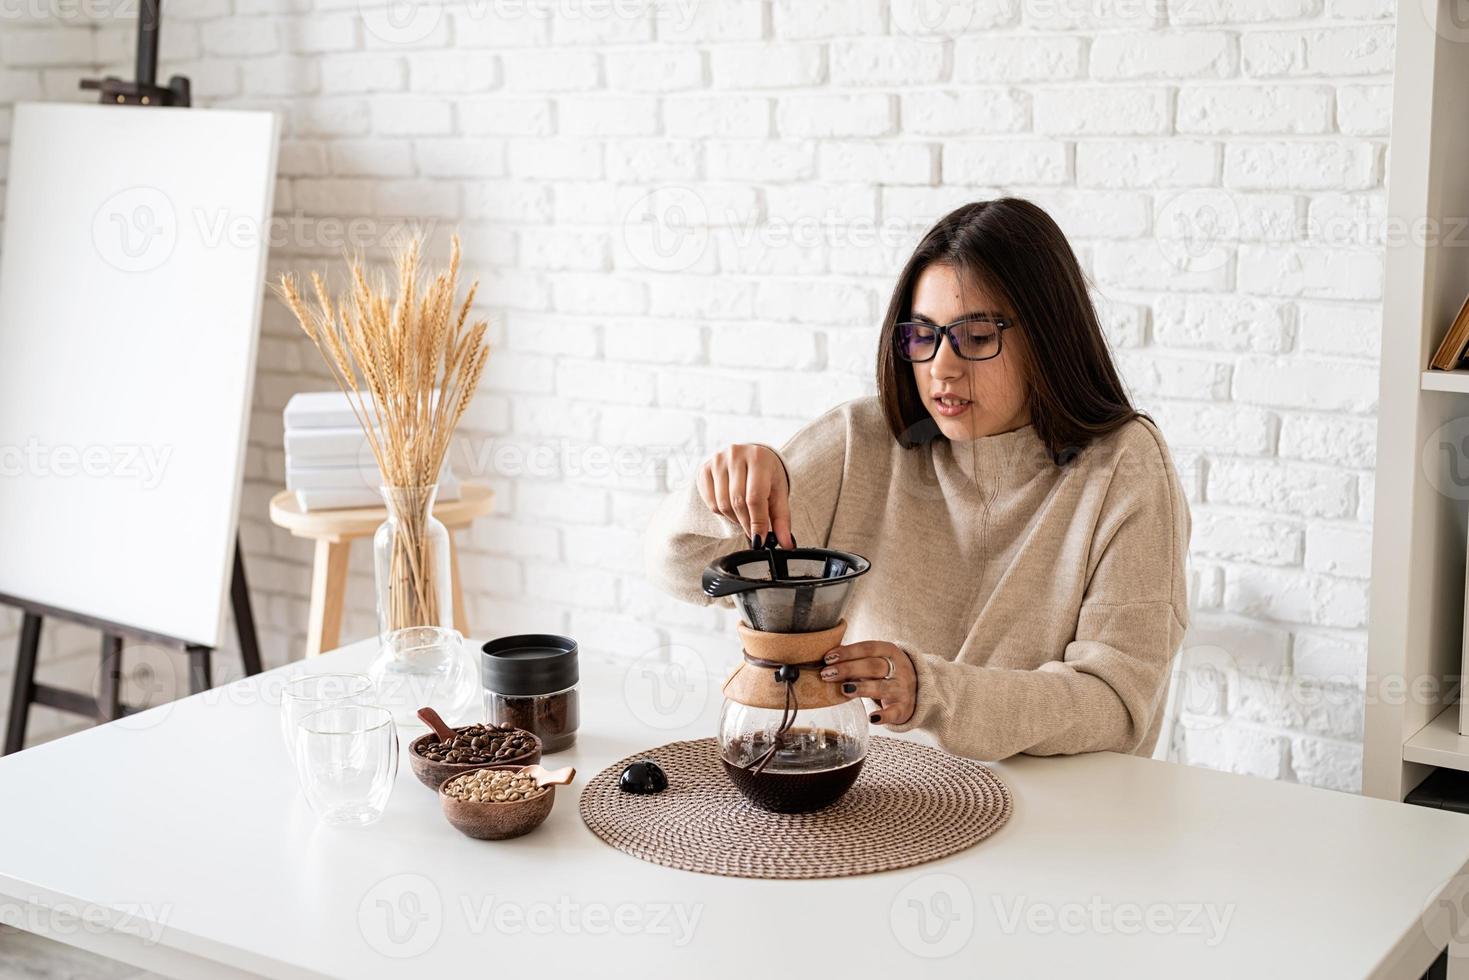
[[644, 777]]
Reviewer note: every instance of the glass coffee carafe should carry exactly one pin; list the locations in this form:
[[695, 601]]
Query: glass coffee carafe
[[789, 741]]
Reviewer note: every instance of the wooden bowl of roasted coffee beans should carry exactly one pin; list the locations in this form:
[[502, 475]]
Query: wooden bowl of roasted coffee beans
[[474, 747], [495, 802]]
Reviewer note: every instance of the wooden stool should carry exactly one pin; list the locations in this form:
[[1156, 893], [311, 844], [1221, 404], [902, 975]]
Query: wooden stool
[[334, 531]]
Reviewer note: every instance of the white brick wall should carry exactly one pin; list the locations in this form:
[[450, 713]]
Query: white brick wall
[[687, 216]]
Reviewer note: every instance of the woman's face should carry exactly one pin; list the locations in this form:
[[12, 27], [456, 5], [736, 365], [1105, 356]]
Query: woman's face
[[968, 399]]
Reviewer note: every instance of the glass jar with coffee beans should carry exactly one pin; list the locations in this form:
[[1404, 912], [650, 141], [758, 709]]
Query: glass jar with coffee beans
[[530, 682]]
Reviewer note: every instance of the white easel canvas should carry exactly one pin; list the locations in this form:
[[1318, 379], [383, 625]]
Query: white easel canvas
[[131, 282]]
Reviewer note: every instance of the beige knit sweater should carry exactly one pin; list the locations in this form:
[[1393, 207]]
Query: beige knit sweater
[[1041, 604]]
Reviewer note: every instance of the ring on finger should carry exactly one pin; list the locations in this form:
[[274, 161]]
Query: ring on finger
[[890, 668]]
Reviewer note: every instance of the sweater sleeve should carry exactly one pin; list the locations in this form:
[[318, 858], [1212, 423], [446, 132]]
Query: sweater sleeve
[[1104, 690], [684, 535]]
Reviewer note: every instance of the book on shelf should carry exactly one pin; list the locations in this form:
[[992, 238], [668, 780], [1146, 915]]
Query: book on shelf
[[349, 477], [324, 443], [329, 460], [1450, 353], [321, 409], [331, 410], [336, 499]]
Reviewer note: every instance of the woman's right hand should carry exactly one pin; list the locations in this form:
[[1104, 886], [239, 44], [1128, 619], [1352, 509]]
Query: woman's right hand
[[748, 485]]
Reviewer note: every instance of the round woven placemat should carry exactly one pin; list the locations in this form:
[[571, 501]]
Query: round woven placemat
[[910, 804]]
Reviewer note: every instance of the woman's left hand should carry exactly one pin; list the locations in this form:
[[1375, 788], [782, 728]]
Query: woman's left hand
[[878, 670]]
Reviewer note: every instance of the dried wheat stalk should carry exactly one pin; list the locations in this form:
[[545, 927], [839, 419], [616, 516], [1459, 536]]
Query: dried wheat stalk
[[409, 361]]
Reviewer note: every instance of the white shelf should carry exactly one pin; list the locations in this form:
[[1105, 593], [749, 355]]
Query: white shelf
[[1445, 381], [1439, 743], [1416, 624]]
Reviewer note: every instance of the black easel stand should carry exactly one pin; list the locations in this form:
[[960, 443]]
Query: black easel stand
[[145, 91], [107, 704]]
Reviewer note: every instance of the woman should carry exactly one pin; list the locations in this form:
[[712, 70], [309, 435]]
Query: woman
[[1026, 525]]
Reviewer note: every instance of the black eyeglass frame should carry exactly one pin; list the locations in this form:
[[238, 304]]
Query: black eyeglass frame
[[947, 330]]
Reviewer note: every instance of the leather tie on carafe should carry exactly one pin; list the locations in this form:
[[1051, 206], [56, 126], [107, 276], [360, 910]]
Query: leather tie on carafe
[[786, 674]]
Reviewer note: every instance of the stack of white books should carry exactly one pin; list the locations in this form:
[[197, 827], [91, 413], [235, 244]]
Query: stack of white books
[[329, 462]]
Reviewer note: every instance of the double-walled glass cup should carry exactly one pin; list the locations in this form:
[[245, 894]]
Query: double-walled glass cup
[[347, 762], [314, 692]]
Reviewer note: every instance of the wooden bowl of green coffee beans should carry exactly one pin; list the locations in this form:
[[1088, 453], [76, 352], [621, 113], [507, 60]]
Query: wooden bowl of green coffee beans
[[478, 808]]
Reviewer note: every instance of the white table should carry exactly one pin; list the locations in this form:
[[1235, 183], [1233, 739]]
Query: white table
[[176, 840]]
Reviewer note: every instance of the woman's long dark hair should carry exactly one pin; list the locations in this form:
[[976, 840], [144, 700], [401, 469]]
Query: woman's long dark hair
[[1022, 258]]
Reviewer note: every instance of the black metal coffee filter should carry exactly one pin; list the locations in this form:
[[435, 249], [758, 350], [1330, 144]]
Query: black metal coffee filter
[[808, 593]]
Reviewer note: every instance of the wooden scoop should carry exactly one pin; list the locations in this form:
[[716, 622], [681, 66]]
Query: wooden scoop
[[550, 777], [431, 718]]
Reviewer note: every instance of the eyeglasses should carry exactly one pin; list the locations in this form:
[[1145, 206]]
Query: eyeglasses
[[975, 338]]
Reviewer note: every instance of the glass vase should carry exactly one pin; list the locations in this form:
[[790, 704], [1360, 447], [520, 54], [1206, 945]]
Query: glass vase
[[411, 563], [426, 666]]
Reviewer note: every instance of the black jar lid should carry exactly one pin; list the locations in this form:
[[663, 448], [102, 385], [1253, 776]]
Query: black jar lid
[[529, 664]]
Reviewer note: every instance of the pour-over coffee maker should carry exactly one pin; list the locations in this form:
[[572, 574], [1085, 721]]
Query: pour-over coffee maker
[[789, 741]]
